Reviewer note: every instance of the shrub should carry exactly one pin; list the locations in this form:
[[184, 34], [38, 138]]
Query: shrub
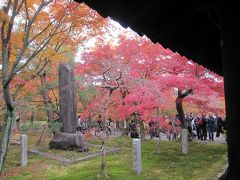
[[26, 126], [54, 126]]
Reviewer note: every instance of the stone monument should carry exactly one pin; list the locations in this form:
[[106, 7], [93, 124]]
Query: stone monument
[[67, 99], [68, 138]]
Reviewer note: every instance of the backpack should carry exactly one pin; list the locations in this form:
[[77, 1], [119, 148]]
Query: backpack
[[200, 122]]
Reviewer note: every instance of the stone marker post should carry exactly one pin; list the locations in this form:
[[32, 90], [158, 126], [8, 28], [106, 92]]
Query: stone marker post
[[137, 156], [184, 141], [67, 98], [23, 150]]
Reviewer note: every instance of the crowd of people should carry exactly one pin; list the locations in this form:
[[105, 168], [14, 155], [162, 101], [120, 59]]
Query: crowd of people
[[83, 126], [203, 126]]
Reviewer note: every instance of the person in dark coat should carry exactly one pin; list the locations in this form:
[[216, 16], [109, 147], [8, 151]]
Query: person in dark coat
[[133, 127], [210, 126], [220, 125], [204, 127], [199, 124], [151, 129]]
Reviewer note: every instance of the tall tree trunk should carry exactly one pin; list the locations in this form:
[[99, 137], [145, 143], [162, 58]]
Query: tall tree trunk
[[106, 116], [46, 98], [34, 115], [180, 111], [142, 130], [8, 128], [42, 136], [181, 116], [179, 106], [103, 150], [103, 139], [10, 120], [127, 125]]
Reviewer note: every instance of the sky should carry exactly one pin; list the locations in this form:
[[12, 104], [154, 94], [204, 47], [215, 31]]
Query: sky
[[114, 30]]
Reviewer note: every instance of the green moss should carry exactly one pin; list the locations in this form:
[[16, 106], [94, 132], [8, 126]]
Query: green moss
[[203, 162]]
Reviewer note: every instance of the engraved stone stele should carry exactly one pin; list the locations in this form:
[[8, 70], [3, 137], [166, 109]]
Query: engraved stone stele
[[184, 141], [137, 156], [23, 150], [68, 138], [67, 99]]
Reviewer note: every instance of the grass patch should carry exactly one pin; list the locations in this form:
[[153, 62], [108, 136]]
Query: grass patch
[[203, 162]]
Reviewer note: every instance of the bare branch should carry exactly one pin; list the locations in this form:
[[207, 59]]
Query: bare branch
[[117, 80], [10, 25], [20, 6], [6, 9], [185, 94], [109, 87], [104, 77]]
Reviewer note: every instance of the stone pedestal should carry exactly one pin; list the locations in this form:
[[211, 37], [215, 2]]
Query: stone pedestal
[[23, 150], [69, 141], [137, 156], [184, 141]]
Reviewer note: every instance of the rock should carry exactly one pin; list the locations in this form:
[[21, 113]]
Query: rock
[[69, 141]]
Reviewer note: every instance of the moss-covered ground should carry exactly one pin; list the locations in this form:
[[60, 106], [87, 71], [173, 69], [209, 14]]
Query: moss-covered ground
[[203, 162]]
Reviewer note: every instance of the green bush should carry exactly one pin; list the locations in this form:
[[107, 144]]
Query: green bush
[[54, 126], [26, 126]]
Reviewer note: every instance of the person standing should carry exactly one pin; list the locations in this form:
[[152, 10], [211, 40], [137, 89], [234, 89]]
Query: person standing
[[109, 122], [188, 121], [78, 123], [204, 127], [151, 129], [133, 126], [199, 124], [210, 125], [220, 125], [99, 127], [17, 125]]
